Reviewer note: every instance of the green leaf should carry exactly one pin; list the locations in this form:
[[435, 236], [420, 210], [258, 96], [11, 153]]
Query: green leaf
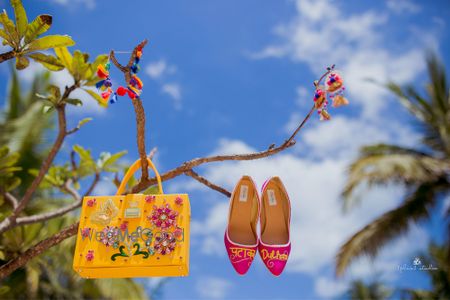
[[79, 65], [39, 25], [48, 108], [8, 160], [55, 93], [50, 41], [108, 163], [84, 121], [13, 183], [65, 57], [21, 17], [4, 36], [48, 61], [76, 102], [10, 29], [22, 62], [87, 164], [97, 97]]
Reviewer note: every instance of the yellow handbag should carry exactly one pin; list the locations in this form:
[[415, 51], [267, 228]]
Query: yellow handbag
[[133, 235]]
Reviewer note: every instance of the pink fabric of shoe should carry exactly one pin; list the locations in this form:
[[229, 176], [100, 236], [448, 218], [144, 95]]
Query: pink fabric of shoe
[[241, 239], [275, 244]]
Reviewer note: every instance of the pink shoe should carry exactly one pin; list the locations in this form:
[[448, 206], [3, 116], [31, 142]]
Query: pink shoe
[[241, 240], [275, 244]]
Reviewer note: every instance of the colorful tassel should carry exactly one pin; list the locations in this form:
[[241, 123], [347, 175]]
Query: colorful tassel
[[100, 84], [105, 95], [121, 91], [138, 82], [101, 72], [339, 100], [324, 115], [135, 90], [319, 98], [113, 98]]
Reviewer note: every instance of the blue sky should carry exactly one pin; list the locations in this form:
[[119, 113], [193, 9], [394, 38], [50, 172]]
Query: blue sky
[[236, 76]]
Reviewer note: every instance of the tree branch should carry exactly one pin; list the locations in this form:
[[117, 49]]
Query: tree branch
[[11, 199], [34, 251], [185, 168], [63, 210], [138, 109], [208, 183], [7, 56], [62, 133], [188, 165]]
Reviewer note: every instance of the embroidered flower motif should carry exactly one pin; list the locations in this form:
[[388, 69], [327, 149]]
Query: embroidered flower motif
[[124, 226], [179, 201], [85, 232], [109, 235], [165, 243], [150, 199], [163, 216], [90, 255], [91, 202]]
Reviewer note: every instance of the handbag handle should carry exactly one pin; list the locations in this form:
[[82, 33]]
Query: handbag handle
[[133, 168]]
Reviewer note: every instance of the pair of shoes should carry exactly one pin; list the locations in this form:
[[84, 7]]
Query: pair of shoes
[[273, 210]]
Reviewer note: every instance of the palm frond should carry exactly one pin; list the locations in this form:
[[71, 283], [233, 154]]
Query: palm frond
[[374, 290], [433, 113], [375, 235], [438, 88], [381, 164]]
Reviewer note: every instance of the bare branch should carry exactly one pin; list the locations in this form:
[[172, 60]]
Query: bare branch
[[36, 250], [7, 56], [9, 221], [63, 210], [11, 199], [62, 127], [185, 168], [188, 165], [152, 153], [73, 162], [138, 109], [292, 137], [208, 183], [68, 188], [93, 185]]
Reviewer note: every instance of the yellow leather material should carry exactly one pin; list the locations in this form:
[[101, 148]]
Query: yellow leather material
[[137, 225]]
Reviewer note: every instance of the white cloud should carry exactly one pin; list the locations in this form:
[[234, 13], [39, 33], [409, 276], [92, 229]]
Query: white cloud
[[174, 91], [355, 43], [343, 136], [329, 288], [159, 68], [213, 287], [403, 6], [318, 227], [89, 4]]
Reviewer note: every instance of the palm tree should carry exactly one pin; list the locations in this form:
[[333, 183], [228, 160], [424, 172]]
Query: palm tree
[[372, 291], [440, 285], [424, 171]]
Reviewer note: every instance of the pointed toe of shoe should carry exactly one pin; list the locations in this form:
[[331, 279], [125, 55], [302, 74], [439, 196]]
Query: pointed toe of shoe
[[240, 256], [275, 257]]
